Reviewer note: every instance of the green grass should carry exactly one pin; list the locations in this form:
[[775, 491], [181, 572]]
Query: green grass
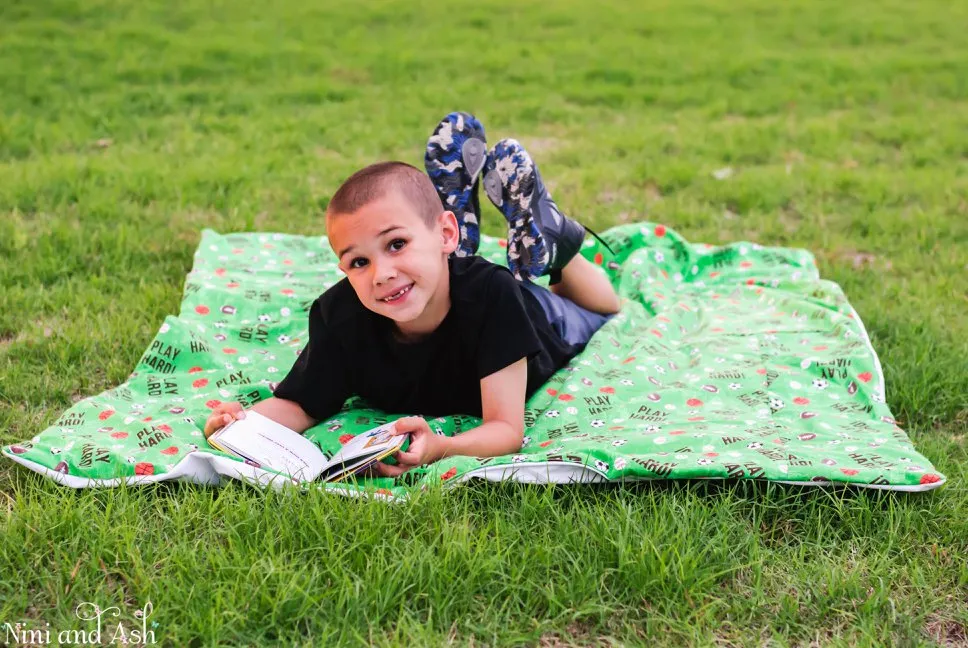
[[127, 127]]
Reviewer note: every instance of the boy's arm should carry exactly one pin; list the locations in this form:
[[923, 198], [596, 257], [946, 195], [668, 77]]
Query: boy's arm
[[502, 402], [280, 410], [285, 412]]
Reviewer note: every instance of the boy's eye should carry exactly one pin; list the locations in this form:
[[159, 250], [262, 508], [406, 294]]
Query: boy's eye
[[396, 245]]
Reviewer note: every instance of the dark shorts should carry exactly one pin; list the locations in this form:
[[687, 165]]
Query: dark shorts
[[574, 324]]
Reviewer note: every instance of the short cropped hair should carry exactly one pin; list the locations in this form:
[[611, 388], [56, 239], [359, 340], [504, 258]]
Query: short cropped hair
[[378, 180]]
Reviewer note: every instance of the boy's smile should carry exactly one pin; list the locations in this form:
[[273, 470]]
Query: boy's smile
[[396, 264]]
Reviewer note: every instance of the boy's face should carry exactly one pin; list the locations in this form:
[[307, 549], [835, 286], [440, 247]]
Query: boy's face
[[385, 247]]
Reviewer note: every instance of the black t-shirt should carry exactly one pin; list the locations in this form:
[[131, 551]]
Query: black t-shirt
[[492, 323]]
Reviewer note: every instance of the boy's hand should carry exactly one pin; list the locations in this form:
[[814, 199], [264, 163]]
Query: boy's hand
[[425, 447], [222, 415]]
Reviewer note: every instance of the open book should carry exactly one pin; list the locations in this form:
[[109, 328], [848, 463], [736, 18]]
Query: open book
[[266, 444]]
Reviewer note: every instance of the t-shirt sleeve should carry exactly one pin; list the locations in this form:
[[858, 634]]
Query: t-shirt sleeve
[[318, 381], [507, 334]]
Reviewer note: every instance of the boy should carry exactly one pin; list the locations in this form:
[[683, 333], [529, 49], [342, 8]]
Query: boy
[[420, 324]]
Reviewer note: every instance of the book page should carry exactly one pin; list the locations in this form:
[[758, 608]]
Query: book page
[[271, 445]]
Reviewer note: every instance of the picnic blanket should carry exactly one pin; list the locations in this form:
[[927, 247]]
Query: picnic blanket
[[735, 361]]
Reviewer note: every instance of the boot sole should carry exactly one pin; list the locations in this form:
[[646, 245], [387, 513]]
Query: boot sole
[[528, 256], [467, 168]]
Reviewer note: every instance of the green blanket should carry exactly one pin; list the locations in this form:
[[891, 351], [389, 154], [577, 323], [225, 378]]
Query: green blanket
[[724, 362]]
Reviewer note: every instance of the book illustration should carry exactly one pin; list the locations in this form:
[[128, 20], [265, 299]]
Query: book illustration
[[377, 436]]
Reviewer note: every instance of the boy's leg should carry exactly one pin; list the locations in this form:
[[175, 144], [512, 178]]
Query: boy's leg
[[542, 240], [587, 285], [574, 324], [454, 158]]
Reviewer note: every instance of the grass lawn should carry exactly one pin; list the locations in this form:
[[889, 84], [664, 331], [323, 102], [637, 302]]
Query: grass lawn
[[127, 127]]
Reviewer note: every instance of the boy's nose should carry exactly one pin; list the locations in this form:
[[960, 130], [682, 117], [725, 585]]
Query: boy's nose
[[383, 272]]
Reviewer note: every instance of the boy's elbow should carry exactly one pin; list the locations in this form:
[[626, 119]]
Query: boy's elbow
[[516, 437]]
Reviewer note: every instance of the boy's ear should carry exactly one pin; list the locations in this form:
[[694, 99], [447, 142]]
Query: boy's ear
[[450, 231]]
